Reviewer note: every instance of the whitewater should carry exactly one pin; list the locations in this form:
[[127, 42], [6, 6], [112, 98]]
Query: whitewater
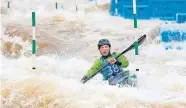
[[66, 50]]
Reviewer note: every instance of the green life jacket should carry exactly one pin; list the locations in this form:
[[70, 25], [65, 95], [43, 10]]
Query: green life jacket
[[111, 69]]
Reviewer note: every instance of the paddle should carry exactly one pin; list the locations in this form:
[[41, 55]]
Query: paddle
[[140, 41]]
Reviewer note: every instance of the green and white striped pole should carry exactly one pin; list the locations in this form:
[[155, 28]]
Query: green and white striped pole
[[33, 39], [134, 14], [135, 26], [116, 9], [76, 10], [8, 3], [56, 5], [62, 6], [96, 2]]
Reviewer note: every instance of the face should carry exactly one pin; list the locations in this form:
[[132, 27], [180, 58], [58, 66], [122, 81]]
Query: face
[[104, 50]]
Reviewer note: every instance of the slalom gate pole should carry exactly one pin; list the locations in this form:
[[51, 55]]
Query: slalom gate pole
[[33, 39], [135, 26]]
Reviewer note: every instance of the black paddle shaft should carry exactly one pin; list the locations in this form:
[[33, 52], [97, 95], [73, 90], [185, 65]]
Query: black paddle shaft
[[140, 41]]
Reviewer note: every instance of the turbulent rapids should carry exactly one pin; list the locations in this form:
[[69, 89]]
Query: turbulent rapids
[[66, 49]]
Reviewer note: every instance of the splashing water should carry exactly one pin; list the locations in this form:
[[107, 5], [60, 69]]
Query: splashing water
[[66, 49]]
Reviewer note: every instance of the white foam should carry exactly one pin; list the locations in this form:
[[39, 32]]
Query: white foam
[[161, 71]]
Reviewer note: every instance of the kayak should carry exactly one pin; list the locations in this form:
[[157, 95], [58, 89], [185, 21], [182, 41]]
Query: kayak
[[123, 79]]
